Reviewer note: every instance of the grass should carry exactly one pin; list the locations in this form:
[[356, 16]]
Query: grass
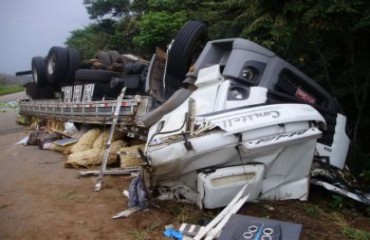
[[312, 210], [355, 234], [143, 234], [347, 231], [10, 88]]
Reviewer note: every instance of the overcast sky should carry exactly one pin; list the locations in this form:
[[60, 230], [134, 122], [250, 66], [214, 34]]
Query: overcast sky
[[31, 27]]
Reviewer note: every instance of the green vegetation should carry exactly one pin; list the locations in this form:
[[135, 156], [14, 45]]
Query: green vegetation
[[355, 234], [347, 231], [312, 210], [9, 88], [143, 234]]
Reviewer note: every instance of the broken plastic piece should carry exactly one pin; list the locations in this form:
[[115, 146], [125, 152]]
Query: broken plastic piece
[[23, 141], [127, 212], [355, 195], [220, 220], [190, 229], [172, 233], [137, 193]]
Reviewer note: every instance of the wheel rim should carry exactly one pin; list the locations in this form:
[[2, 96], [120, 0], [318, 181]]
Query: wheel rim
[[34, 75], [51, 65]]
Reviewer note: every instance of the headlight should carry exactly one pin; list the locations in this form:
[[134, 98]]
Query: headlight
[[249, 73], [237, 93]]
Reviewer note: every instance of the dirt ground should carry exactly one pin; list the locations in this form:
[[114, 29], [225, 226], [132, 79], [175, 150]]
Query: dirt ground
[[40, 199]]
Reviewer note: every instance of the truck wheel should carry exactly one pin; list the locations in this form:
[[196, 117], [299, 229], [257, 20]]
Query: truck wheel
[[104, 58], [95, 76], [144, 74], [47, 92], [35, 92], [74, 61], [39, 71], [114, 56], [134, 68], [56, 66], [31, 90], [187, 45]]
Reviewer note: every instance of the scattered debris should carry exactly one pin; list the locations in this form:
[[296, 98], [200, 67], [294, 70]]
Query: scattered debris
[[229, 225], [132, 171], [42, 138], [172, 233], [86, 141], [127, 212], [130, 156], [137, 193], [70, 128], [94, 156], [190, 230], [23, 141], [137, 197], [215, 226], [45, 140], [354, 194], [66, 141], [247, 227]]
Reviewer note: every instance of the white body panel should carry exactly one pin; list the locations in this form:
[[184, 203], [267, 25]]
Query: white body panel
[[280, 138], [338, 150]]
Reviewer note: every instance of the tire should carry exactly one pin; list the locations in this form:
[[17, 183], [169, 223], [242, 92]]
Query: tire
[[134, 68], [95, 76], [117, 83], [74, 61], [144, 74], [188, 43], [56, 65], [31, 90], [117, 67], [35, 92], [132, 82], [114, 56], [39, 71], [104, 58]]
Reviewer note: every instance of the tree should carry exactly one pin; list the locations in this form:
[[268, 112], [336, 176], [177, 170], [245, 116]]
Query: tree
[[161, 21], [328, 40], [157, 29], [98, 9], [88, 40]]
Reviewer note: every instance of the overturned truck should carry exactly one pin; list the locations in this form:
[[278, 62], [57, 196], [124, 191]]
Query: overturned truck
[[240, 115], [252, 118]]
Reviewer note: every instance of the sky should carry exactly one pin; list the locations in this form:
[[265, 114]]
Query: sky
[[30, 28]]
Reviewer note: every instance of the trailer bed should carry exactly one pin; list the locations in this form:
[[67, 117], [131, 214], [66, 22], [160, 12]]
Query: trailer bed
[[94, 112]]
